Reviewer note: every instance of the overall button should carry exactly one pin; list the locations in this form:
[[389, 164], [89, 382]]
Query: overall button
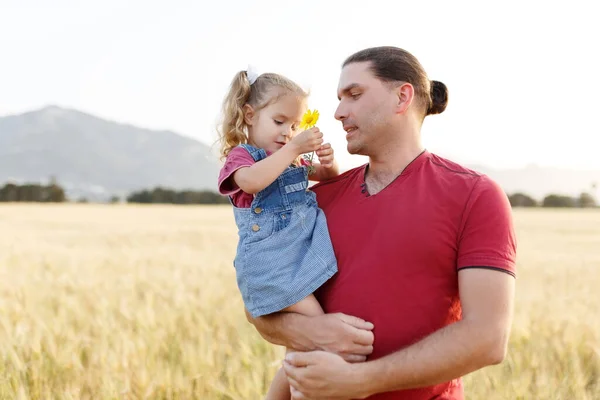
[[258, 210], [255, 228]]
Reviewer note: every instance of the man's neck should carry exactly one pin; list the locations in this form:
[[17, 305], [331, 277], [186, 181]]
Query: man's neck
[[386, 166]]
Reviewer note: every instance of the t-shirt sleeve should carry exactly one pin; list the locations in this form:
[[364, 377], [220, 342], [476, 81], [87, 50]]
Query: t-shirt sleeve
[[236, 159], [487, 238]]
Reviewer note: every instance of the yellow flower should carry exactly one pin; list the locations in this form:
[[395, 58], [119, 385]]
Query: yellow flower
[[309, 119]]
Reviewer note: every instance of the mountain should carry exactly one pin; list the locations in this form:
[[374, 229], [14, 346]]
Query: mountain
[[95, 158]]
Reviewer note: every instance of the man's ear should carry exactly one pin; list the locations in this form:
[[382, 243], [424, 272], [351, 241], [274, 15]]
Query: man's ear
[[405, 94], [248, 114]]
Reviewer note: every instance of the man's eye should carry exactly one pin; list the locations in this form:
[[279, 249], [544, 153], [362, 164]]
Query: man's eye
[[355, 95]]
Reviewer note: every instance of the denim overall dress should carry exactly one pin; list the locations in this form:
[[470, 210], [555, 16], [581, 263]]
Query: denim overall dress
[[284, 251]]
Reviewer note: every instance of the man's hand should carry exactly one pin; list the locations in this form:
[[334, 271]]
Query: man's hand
[[321, 375], [348, 336]]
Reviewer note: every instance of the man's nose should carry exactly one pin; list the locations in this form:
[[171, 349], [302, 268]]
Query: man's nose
[[340, 112]]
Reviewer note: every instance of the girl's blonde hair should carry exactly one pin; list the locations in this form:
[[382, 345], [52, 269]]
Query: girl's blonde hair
[[234, 130]]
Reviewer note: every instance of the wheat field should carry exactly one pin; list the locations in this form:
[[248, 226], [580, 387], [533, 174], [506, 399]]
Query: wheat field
[[140, 302]]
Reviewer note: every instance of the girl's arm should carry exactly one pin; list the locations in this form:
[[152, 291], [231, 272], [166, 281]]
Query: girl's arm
[[323, 173], [255, 178], [258, 176], [327, 167]]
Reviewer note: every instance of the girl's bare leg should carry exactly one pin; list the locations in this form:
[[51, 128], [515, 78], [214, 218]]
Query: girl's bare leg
[[280, 388]]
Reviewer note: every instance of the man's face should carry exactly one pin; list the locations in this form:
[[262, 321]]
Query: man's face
[[366, 108]]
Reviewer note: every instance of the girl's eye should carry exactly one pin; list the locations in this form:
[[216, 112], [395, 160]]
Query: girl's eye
[[278, 122]]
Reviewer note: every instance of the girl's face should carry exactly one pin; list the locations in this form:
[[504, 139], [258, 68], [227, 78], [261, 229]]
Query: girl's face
[[275, 125]]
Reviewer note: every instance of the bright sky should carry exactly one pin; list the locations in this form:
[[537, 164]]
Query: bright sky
[[522, 76]]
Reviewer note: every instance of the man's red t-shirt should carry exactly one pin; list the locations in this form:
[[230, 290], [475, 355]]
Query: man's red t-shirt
[[399, 251]]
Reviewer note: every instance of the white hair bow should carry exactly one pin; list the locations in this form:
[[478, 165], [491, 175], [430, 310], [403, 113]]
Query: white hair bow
[[252, 73]]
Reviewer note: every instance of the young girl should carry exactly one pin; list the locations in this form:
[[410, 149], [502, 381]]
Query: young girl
[[284, 251]]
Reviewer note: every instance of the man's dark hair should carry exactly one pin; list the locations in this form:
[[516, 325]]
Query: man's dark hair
[[393, 64]]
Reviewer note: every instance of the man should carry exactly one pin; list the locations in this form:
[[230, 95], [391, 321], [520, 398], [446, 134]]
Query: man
[[426, 251]]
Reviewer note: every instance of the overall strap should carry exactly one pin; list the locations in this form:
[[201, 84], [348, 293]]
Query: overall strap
[[256, 153]]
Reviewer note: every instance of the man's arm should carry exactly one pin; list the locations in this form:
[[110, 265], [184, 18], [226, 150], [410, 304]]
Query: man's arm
[[348, 336], [478, 340], [281, 329]]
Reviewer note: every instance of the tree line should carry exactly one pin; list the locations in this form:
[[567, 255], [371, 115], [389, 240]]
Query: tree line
[[168, 196], [584, 200], [51, 193], [54, 193]]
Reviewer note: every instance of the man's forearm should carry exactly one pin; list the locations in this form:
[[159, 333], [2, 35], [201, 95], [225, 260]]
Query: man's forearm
[[449, 353], [348, 336], [283, 329]]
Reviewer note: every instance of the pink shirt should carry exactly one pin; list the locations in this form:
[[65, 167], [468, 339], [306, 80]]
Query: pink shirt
[[236, 159]]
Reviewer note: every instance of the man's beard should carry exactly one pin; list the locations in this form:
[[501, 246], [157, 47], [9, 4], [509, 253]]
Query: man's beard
[[357, 147]]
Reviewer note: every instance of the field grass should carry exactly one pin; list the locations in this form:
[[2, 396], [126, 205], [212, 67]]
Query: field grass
[[132, 302]]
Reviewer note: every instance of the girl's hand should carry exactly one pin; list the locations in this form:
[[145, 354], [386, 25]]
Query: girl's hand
[[307, 141], [325, 154]]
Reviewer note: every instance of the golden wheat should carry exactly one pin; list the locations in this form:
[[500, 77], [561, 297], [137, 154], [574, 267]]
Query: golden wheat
[[140, 302]]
